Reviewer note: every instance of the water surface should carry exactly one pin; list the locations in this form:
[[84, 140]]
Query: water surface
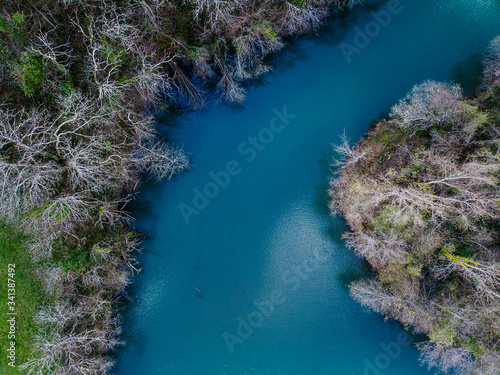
[[258, 236]]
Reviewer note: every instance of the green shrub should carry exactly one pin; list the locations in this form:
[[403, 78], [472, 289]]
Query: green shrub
[[30, 72], [76, 261], [13, 27], [266, 29]]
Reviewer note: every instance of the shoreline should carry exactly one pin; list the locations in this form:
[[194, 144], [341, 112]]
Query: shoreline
[[68, 179], [420, 195]]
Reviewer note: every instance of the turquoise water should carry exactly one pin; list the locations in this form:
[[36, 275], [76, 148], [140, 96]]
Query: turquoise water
[[265, 238]]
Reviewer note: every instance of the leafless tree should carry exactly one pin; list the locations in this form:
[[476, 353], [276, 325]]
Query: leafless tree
[[111, 215], [430, 104], [59, 55], [119, 28], [160, 159], [302, 19], [230, 89], [492, 63], [201, 62], [251, 49], [422, 221], [193, 95], [151, 13], [215, 13], [100, 64], [372, 294], [447, 358], [62, 212], [349, 155], [151, 80], [24, 181], [490, 363], [378, 251], [485, 276]]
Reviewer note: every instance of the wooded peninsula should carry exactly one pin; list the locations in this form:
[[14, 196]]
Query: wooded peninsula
[[420, 194]]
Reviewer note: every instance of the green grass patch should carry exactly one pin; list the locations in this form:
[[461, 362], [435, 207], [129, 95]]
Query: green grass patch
[[29, 295]]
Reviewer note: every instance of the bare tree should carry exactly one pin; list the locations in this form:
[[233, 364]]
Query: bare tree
[[193, 95], [423, 222], [215, 13], [485, 276], [302, 19], [251, 49], [379, 251], [492, 63], [372, 294], [428, 105], [101, 65], [228, 86], [349, 155], [24, 180], [447, 358], [151, 80], [150, 11], [160, 159]]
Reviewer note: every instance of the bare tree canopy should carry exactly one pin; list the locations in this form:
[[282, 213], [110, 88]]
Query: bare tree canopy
[[421, 196]]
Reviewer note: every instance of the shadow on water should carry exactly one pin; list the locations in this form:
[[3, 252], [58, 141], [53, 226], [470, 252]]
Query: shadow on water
[[281, 61], [322, 198], [334, 230], [129, 302], [469, 74], [141, 210], [340, 23], [336, 226], [333, 32], [347, 277]]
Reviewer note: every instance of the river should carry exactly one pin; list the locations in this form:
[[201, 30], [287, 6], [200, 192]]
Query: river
[[244, 272]]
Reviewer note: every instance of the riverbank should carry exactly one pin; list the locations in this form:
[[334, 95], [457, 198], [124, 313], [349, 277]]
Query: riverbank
[[81, 83], [420, 195]]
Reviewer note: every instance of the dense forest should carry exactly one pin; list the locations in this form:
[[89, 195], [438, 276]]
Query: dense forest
[[421, 196], [81, 82]]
